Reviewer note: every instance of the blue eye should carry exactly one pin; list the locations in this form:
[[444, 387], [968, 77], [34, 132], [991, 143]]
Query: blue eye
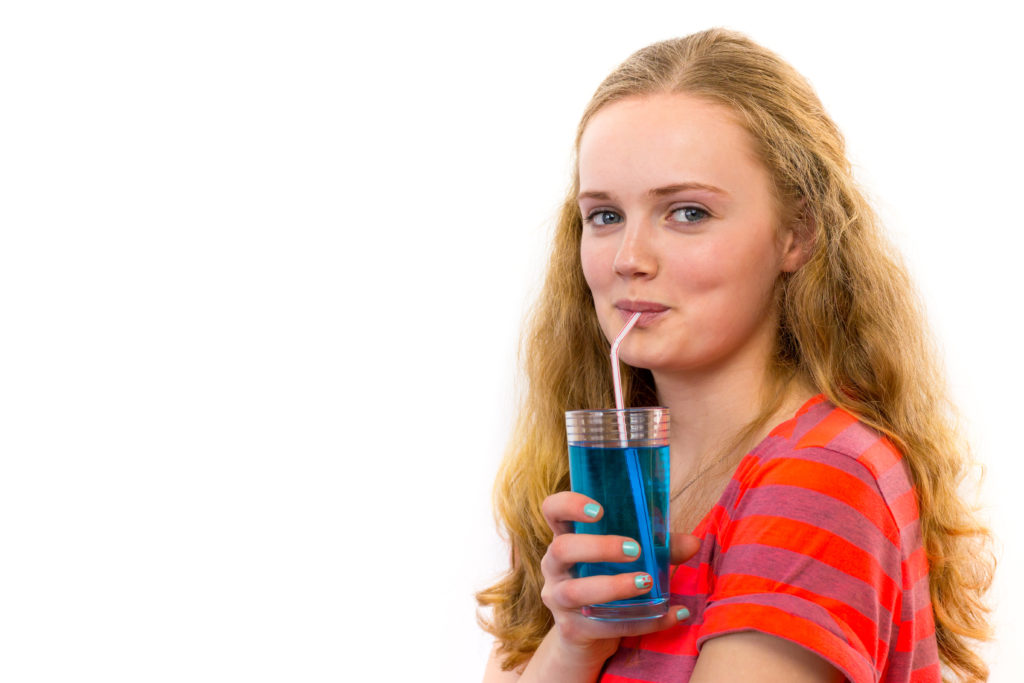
[[604, 217], [689, 214]]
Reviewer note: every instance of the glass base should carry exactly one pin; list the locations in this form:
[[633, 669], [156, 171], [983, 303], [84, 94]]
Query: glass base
[[627, 611]]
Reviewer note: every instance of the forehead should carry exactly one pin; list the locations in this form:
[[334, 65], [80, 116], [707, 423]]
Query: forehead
[[650, 141]]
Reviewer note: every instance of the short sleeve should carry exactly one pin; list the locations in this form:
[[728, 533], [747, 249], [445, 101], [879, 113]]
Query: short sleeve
[[810, 553]]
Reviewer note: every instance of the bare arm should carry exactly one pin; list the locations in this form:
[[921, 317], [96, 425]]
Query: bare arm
[[753, 657], [746, 657], [548, 663], [493, 672]]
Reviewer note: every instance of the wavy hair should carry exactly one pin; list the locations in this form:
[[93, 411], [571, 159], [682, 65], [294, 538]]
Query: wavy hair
[[850, 323]]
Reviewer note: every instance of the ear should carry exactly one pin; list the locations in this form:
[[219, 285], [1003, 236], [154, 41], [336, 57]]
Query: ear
[[797, 240]]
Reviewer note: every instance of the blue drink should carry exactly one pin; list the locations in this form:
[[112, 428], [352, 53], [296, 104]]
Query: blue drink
[[603, 474], [630, 479]]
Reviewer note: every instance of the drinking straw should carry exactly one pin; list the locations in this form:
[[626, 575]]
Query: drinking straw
[[636, 482], [616, 376]]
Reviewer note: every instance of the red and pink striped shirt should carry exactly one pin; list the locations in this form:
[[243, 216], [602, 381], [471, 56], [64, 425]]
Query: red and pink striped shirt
[[816, 539]]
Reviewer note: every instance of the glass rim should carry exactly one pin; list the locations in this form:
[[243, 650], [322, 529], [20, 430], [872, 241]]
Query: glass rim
[[597, 411], [642, 426]]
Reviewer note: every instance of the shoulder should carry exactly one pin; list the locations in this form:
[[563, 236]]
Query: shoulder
[[823, 476], [827, 451], [812, 544], [821, 426]]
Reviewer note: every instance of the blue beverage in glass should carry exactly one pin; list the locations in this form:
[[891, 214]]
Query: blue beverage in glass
[[630, 479]]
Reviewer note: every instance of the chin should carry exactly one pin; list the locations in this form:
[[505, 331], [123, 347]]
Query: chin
[[643, 362]]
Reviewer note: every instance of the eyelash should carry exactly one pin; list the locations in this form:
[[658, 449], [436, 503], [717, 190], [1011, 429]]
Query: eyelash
[[704, 213], [590, 218]]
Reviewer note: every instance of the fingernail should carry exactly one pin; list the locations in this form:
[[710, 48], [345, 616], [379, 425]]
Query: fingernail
[[643, 581], [591, 509], [682, 613], [630, 548]]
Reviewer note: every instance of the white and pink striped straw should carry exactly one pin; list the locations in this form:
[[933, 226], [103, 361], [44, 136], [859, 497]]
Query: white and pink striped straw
[[616, 374], [636, 480]]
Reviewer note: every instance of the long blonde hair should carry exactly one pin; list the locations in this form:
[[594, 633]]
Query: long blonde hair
[[850, 324]]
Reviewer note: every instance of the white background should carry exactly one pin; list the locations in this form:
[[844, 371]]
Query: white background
[[262, 271]]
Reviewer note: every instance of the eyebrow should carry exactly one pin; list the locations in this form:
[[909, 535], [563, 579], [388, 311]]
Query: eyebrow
[[659, 191]]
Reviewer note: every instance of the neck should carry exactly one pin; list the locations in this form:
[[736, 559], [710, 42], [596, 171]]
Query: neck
[[713, 411], [712, 406], [708, 407]]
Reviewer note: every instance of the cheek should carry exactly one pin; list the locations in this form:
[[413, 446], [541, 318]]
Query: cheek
[[737, 275], [703, 269], [596, 267]]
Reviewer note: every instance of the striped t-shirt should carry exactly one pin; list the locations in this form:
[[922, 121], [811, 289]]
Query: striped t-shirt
[[816, 539]]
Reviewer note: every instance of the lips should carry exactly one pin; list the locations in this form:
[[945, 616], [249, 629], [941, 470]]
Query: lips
[[650, 311]]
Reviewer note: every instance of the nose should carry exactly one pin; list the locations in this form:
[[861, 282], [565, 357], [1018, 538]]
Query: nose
[[636, 257]]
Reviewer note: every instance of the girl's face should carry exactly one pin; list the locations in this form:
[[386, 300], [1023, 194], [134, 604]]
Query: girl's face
[[680, 222]]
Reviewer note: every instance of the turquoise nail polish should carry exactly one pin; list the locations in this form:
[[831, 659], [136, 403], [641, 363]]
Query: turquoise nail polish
[[643, 582], [682, 613], [591, 509], [630, 548]]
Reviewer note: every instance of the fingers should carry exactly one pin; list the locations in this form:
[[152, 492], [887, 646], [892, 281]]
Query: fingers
[[684, 546], [675, 615], [573, 594], [575, 627], [562, 509], [568, 549], [563, 593], [566, 596]]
